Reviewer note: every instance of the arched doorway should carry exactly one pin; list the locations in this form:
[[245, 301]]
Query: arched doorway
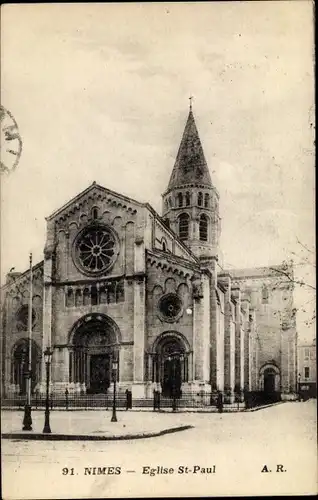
[[20, 364], [170, 364], [270, 382], [94, 343]]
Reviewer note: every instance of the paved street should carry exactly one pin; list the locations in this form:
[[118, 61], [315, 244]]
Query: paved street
[[93, 423], [223, 454]]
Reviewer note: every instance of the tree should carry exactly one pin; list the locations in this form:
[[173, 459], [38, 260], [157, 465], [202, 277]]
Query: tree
[[300, 273]]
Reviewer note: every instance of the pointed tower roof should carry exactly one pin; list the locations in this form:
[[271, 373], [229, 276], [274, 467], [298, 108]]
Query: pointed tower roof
[[190, 166]]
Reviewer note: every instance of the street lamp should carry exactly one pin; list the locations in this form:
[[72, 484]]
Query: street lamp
[[115, 363], [298, 386], [27, 418], [47, 358]]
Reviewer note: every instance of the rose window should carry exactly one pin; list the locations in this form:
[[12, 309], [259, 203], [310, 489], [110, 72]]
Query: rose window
[[22, 317], [96, 249], [170, 306]]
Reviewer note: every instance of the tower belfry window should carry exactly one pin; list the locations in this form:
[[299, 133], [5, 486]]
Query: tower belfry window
[[183, 226], [203, 228], [206, 200], [188, 199], [180, 200], [200, 199]]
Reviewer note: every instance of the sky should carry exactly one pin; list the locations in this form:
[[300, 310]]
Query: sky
[[100, 92]]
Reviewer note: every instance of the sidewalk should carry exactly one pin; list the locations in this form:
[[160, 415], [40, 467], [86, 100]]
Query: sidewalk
[[92, 425]]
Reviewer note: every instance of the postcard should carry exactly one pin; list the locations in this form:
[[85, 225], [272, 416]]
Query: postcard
[[157, 250]]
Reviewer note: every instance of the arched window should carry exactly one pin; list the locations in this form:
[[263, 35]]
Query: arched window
[[70, 298], [200, 199], [120, 291], [103, 295], [78, 298], [86, 297], [95, 213], [94, 296], [188, 199], [206, 200], [170, 202], [183, 226], [111, 292], [203, 229], [164, 246], [180, 200]]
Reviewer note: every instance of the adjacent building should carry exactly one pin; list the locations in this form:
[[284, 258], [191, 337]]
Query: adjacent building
[[307, 369]]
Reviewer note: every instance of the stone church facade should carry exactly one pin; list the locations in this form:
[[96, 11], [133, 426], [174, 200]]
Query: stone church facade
[[120, 280]]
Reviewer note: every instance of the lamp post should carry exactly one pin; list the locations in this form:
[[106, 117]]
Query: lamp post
[[47, 358], [114, 370], [27, 419], [298, 386]]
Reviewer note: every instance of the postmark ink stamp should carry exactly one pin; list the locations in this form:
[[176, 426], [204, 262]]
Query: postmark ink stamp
[[11, 142]]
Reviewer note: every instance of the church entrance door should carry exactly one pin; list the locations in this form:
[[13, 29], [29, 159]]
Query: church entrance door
[[170, 365], [94, 342], [269, 383], [99, 373], [172, 380]]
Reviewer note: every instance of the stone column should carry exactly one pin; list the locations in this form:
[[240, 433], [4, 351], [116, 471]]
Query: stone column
[[229, 340], [139, 285], [206, 328], [251, 365], [237, 296], [242, 359], [139, 331], [197, 339], [246, 343], [194, 341], [47, 316], [214, 325], [201, 331], [220, 342], [47, 340], [60, 368]]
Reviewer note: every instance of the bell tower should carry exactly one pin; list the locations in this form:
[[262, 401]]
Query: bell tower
[[191, 202]]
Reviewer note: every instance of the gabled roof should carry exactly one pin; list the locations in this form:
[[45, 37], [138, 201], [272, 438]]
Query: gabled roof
[[125, 199], [20, 276], [190, 166], [97, 187]]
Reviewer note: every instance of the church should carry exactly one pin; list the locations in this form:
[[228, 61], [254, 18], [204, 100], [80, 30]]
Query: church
[[119, 281]]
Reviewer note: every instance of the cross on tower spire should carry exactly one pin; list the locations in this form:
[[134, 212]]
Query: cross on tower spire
[[190, 99]]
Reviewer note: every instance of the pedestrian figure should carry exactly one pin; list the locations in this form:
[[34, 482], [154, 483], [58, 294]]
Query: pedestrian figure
[[128, 399], [158, 396], [155, 398], [219, 402], [66, 398]]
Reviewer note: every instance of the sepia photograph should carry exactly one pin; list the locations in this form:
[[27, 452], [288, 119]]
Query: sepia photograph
[[158, 273]]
